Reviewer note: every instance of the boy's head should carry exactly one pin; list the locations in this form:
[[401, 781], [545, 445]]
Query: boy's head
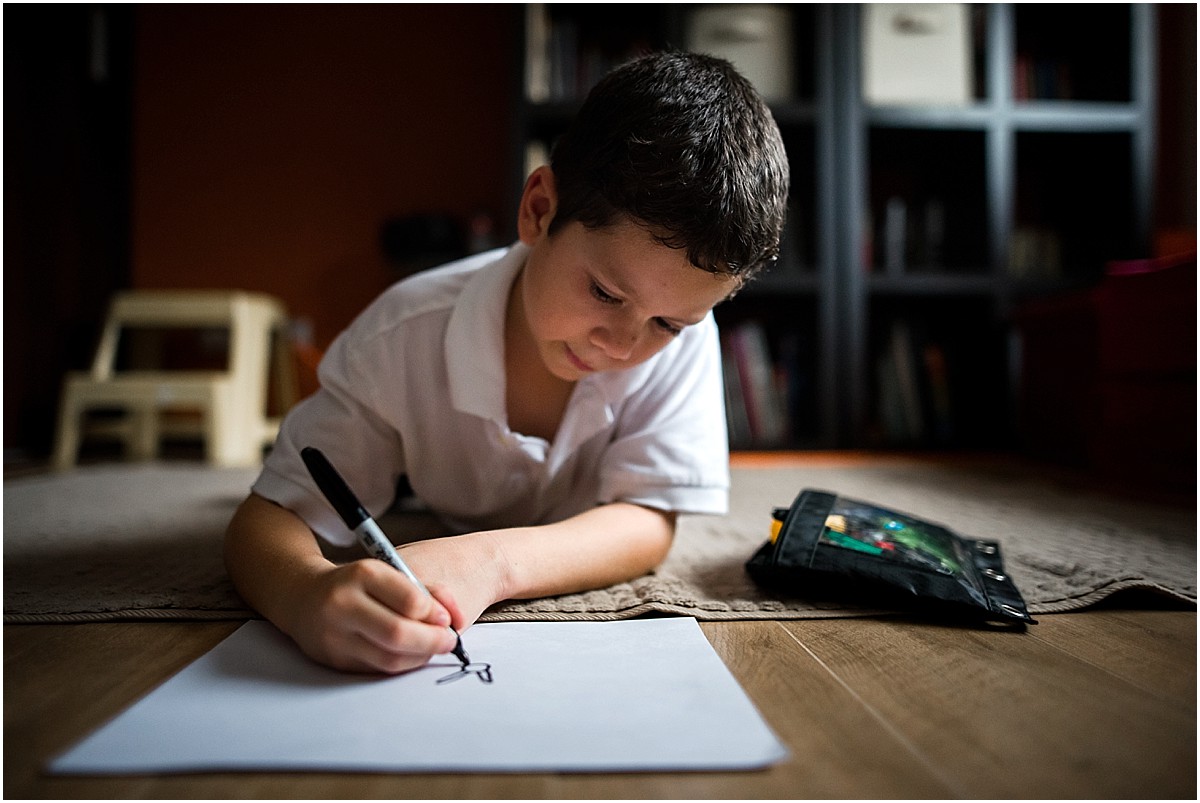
[[683, 145]]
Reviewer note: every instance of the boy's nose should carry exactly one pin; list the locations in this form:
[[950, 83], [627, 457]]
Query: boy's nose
[[618, 343]]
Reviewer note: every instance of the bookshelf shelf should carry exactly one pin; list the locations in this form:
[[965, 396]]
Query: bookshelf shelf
[[556, 111], [795, 113], [780, 281], [976, 116], [1061, 115], [932, 284], [1024, 190], [1075, 116]]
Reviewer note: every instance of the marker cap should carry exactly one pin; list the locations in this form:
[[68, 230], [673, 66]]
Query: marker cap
[[334, 487]]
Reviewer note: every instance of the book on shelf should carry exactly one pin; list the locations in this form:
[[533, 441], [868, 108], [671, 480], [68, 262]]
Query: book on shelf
[[915, 400], [908, 394], [895, 236], [755, 389], [795, 377], [736, 414], [1034, 252], [939, 400], [562, 61], [1041, 78], [913, 238], [931, 253]]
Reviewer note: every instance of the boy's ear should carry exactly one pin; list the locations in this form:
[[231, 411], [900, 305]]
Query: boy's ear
[[539, 201]]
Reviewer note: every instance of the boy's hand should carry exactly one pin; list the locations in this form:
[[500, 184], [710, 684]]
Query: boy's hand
[[363, 616], [464, 568], [367, 617]]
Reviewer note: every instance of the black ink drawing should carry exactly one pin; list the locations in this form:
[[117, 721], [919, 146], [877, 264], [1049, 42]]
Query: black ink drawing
[[480, 670]]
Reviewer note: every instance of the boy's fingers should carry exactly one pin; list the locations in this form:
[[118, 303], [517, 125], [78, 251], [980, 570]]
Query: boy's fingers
[[399, 618], [396, 592], [363, 655], [404, 639], [451, 606]]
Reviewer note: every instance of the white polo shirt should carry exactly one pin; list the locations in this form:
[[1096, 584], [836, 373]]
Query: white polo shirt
[[415, 386]]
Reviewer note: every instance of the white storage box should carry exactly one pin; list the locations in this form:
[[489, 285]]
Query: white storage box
[[916, 53], [756, 38]]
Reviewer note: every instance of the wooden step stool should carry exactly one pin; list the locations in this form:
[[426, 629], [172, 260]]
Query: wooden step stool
[[231, 404]]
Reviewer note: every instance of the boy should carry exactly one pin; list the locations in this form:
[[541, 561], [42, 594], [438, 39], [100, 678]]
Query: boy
[[557, 403]]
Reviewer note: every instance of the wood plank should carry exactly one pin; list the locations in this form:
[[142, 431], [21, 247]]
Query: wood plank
[[1153, 650], [1007, 715], [808, 711], [62, 681], [818, 720]]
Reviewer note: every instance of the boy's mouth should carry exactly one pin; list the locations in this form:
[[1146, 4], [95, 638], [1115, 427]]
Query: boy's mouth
[[575, 361]]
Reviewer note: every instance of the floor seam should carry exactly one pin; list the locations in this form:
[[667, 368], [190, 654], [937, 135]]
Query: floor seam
[[1157, 695], [896, 733]]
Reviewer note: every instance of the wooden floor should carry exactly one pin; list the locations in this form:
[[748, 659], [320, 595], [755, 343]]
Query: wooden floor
[[1095, 704]]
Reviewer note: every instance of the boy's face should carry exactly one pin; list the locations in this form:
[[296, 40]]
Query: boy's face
[[605, 299]]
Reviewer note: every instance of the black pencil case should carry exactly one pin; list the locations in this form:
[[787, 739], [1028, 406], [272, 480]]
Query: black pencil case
[[826, 545]]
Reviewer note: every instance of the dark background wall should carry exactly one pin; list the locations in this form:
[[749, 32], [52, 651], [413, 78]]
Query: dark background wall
[[1176, 177], [271, 142], [252, 146]]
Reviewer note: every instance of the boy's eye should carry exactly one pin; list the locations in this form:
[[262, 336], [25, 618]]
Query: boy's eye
[[604, 296], [667, 326]]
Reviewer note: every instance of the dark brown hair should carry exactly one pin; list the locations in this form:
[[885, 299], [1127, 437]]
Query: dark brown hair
[[683, 145]]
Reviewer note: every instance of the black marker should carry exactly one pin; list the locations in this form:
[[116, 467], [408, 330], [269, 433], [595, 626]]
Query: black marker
[[359, 520]]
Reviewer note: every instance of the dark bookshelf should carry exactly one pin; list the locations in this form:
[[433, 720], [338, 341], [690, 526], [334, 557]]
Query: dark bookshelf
[[1076, 188], [1026, 189], [926, 215], [1071, 52], [1046, 185]]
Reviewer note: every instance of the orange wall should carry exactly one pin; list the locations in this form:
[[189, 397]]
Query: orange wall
[[271, 141]]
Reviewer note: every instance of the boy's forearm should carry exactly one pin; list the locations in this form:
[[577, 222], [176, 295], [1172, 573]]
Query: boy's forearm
[[268, 552], [605, 545]]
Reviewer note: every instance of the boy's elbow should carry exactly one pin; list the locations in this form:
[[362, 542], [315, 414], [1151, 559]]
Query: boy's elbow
[[235, 537], [243, 518], [659, 538], [251, 534]]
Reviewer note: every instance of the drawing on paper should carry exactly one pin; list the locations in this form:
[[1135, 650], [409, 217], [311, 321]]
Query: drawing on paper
[[478, 669]]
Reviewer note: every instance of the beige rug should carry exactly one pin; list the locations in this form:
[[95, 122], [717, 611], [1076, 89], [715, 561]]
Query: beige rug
[[115, 542]]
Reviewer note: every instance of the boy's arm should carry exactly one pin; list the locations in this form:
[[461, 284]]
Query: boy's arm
[[366, 616], [362, 616], [608, 544]]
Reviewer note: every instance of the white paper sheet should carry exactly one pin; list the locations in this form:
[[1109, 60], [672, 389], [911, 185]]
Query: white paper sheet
[[638, 695]]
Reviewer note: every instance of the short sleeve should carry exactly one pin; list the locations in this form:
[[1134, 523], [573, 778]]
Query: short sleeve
[[342, 420]]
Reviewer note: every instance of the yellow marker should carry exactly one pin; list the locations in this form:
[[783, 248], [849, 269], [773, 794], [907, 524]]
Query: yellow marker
[[776, 528]]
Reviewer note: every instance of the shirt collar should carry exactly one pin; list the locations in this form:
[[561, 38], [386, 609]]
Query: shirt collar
[[474, 347]]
